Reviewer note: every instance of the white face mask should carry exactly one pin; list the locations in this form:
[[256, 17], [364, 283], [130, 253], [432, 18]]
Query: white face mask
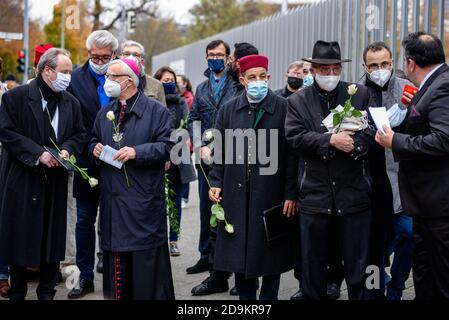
[[99, 69], [61, 82], [327, 83], [380, 77], [113, 89]]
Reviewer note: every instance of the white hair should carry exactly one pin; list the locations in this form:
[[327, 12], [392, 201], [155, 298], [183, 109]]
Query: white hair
[[131, 43], [50, 58], [102, 39], [127, 70]]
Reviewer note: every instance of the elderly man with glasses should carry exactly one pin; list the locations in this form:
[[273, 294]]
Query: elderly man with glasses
[[87, 86], [334, 181], [150, 86]]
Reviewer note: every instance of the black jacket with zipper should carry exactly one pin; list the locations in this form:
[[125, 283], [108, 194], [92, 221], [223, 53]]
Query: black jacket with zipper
[[330, 180]]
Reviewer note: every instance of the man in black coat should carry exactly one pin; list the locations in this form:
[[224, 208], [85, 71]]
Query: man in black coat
[[241, 183], [334, 182], [210, 97], [33, 186], [295, 79], [421, 145], [87, 86]]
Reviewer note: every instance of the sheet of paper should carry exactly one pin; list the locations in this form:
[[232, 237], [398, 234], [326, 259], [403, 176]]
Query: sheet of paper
[[380, 118], [108, 154]]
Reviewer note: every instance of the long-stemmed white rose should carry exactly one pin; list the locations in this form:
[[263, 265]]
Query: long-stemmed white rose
[[72, 160], [117, 137], [217, 211], [348, 110]]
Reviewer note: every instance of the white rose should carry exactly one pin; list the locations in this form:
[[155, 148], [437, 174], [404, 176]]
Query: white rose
[[209, 136], [110, 115], [352, 89], [93, 182], [229, 228]]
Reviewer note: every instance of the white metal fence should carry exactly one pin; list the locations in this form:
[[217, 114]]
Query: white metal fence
[[285, 38]]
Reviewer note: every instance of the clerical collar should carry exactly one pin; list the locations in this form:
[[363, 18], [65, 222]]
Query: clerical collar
[[130, 101]]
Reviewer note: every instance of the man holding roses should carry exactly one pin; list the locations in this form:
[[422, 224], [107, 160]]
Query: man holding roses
[[334, 180]]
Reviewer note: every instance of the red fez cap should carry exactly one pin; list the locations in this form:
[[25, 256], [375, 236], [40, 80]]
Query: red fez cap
[[253, 61], [40, 50]]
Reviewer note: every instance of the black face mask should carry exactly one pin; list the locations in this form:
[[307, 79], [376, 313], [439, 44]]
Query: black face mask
[[295, 83]]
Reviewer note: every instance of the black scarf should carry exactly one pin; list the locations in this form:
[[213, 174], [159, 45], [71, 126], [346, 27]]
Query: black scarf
[[52, 98]]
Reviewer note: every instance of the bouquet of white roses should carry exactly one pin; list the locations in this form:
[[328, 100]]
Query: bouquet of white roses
[[347, 117]]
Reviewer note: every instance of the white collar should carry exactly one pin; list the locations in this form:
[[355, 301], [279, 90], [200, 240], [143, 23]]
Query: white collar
[[429, 75]]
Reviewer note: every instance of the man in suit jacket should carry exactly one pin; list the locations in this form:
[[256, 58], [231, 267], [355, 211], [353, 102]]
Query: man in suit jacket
[[421, 145], [33, 186]]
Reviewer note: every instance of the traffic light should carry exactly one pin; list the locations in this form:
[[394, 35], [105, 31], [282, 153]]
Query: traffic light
[[21, 68]]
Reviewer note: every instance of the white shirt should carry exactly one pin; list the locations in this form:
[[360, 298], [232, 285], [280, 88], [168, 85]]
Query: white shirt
[[429, 75], [55, 121]]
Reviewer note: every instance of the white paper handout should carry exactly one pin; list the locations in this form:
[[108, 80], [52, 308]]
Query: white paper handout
[[380, 118], [108, 154]]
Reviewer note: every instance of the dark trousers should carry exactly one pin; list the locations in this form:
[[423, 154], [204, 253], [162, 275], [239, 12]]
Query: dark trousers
[[185, 191], [319, 234], [208, 235], [48, 276], [205, 213], [86, 212], [381, 219], [177, 199], [247, 287], [335, 272], [431, 258]]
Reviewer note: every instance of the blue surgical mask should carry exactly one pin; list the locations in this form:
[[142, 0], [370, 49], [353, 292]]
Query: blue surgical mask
[[169, 87], [396, 115], [257, 91], [308, 81], [216, 66]]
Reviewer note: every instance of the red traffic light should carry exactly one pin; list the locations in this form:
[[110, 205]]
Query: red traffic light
[[21, 54]]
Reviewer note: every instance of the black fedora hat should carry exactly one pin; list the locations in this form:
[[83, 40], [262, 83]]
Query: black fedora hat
[[326, 53]]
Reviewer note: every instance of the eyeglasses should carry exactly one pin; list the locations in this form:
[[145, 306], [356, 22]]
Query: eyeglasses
[[100, 59], [115, 76], [216, 56], [376, 66], [324, 70]]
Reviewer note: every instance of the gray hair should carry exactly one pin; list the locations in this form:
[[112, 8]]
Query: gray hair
[[127, 70], [102, 39], [131, 43], [50, 59], [294, 65]]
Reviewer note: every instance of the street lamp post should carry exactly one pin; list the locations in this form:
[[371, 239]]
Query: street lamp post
[[284, 6]]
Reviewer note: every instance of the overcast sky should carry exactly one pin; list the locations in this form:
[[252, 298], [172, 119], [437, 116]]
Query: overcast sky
[[169, 8]]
